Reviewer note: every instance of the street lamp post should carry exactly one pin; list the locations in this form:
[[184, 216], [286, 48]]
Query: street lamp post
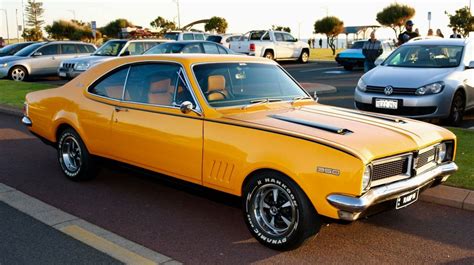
[[17, 31], [179, 17], [6, 20], [73, 13]]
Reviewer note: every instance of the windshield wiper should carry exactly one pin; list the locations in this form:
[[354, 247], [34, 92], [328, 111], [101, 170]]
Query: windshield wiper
[[261, 101], [295, 99]]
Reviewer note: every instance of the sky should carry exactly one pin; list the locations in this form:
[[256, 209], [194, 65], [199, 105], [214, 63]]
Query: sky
[[241, 15]]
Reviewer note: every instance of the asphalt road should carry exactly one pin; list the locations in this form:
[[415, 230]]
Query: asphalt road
[[198, 226]]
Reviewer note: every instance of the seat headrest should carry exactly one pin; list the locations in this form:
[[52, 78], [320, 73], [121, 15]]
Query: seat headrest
[[160, 86], [215, 82]]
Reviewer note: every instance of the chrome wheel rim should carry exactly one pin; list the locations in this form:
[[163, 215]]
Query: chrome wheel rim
[[18, 74], [269, 56], [71, 154], [274, 210], [304, 57]]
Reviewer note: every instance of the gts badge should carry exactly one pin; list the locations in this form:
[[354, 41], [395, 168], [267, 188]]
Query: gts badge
[[326, 170]]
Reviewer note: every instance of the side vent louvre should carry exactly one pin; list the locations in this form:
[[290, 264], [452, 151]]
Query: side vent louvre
[[221, 172]]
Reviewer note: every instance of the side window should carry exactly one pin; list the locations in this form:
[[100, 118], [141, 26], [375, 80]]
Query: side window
[[68, 49], [279, 37], [157, 84], [82, 48], [50, 49], [288, 37], [111, 85], [222, 50], [192, 48], [135, 48], [90, 48], [199, 36], [210, 48], [188, 36], [266, 36]]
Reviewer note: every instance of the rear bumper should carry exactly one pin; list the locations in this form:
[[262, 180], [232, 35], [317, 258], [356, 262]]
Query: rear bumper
[[351, 208], [26, 121]]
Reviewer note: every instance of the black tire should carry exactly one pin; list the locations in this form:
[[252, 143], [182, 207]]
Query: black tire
[[18, 73], [75, 161], [304, 57], [267, 223], [348, 67], [269, 55], [456, 114]]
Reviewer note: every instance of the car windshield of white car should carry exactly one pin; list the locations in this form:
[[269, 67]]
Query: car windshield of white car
[[237, 84], [426, 56], [110, 48], [166, 48]]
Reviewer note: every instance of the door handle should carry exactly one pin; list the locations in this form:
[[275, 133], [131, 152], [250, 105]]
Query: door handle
[[118, 109]]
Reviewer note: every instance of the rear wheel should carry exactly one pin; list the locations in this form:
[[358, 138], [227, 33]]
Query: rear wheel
[[75, 161], [457, 110], [277, 212], [18, 73], [269, 55]]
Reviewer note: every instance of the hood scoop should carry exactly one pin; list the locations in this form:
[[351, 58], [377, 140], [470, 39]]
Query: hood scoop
[[312, 124]]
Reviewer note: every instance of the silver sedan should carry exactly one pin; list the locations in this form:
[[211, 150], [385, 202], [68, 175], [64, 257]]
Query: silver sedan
[[422, 79]]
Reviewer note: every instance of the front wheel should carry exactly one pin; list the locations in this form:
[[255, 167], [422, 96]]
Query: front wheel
[[18, 73], [277, 212], [456, 113], [304, 57], [74, 159], [269, 55]]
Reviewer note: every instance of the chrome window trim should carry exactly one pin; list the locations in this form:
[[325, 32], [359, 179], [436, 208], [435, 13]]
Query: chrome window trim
[[232, 61], [125, 83], [197, 104]]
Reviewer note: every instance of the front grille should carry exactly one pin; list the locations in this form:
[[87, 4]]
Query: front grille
[[68, 65], [396, 90], [426, 157], [390, 169], [401, 111]]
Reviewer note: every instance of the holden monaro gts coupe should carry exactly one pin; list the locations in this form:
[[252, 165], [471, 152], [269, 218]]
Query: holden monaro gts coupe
[[242, 125]]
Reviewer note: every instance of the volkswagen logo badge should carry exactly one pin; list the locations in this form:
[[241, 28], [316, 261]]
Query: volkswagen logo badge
[[388, 90]]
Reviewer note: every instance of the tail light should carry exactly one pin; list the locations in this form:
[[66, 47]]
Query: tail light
[[252, 47]]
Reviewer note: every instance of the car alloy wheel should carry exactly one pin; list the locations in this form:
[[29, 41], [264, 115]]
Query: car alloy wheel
[[457, 110], [304, 57], [18, 74], [71, 154], [269, 55]]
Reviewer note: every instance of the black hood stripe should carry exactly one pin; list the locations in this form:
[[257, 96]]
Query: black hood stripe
[[312, 124]]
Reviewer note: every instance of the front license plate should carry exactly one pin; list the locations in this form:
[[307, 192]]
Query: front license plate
[[407, 199], [62, 74], [386, 103]]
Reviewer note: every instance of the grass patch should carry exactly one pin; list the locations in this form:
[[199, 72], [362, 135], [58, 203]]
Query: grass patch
[[323, 54], [464, 178], [13, 93]]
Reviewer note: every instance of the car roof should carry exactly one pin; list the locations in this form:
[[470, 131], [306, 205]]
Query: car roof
[[458, 42], [196, 58], [191, 41]]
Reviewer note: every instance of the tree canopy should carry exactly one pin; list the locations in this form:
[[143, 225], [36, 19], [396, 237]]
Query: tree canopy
[[113, 28], [218, 24], [163, 25], [281, 28], [395, 16], [72, 30], [462, 20], [330, 26], [34, 13]]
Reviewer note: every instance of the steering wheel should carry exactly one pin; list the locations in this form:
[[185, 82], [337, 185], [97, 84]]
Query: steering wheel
[[220, 91]]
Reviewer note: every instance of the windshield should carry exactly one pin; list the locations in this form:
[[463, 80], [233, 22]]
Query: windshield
[[171, 36], [13, 48], [165, 48], [357, 45], [425, 56], [110, 48], [28, 50], [234, 84]]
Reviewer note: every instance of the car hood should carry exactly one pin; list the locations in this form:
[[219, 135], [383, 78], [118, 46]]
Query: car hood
[[7, 59], [92, 59], [406, 77], [351, 53], [365, 135]]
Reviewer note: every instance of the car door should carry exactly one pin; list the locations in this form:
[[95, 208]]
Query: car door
[[281, 47], [45, 60], [292, 49], [148, 128]]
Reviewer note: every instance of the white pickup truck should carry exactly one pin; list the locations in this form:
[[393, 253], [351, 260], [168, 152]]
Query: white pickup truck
[[274, 45]]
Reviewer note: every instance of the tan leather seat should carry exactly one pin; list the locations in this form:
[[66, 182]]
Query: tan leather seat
[[161, 92], [216, 88]]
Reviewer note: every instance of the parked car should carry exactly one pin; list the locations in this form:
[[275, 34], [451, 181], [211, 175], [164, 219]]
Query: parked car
[[185, 35], [224, 39], [110, 50], [41, 58], [241, 125], [425, 79], [274, 45], [190, 47], [11, 49], [353, 56]]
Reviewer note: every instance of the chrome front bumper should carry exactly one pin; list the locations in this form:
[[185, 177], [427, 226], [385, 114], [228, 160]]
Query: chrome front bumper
[[26, 121], [350, 208]]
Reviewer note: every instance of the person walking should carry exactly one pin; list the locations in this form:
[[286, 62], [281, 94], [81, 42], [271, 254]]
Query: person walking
[[439, 33], [408, 34], [455, 34], [371, 50], [430, 32]]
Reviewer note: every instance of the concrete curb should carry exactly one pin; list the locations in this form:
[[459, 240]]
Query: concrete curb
[[442, 194], [103, 240]]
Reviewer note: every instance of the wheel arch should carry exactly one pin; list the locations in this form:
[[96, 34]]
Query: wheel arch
[[266, 49], [28, 69]]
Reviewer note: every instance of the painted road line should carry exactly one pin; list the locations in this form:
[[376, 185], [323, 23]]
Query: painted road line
[[106, 246], [319, 69], [103, 240]]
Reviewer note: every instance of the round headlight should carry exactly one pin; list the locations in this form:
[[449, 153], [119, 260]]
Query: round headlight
[[441, 152], [361, 85], [366, 178]]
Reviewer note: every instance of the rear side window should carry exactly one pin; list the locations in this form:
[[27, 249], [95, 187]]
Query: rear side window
[[188, 36], [279, 37], [68, 49], [222, 50], [85, 48], [210, 48], [111, 85], [192, 48], [199, 36], [50, 50], [135, 48]]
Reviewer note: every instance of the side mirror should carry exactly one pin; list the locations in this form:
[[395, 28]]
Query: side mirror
[[315, 96], [471, 65], [186, 107], [125, 53], [37, 54]]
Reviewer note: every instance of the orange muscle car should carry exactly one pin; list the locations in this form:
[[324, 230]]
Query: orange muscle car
[[244, 126]]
